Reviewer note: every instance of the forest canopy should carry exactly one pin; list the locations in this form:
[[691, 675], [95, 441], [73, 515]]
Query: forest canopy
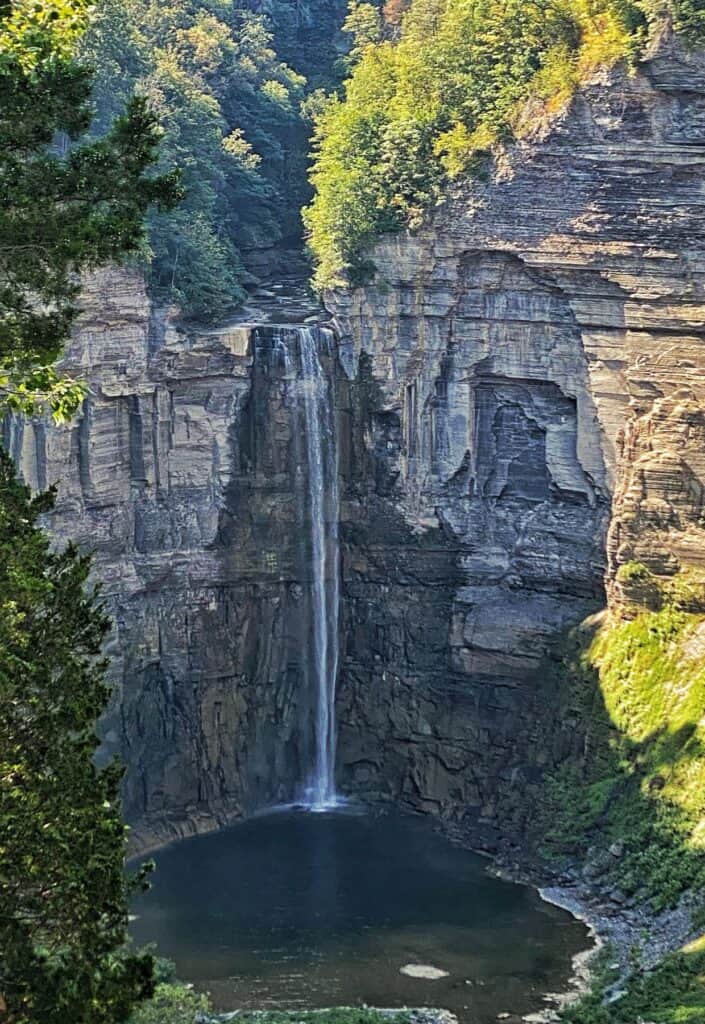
[[230, 108], [435, 85]]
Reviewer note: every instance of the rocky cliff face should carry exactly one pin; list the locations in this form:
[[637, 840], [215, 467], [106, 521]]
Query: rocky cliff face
[[521, 397], [530, 379], [181, 475]]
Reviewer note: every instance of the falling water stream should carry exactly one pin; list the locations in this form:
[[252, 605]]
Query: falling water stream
[[323, 509], [302, 352]]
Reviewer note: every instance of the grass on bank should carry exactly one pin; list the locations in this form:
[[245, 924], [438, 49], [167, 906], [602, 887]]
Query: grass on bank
[[176, 1003], [673, 993], [639, 688]]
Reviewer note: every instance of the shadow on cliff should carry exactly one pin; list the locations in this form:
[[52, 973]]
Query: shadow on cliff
[[398, 588], [419, 725]]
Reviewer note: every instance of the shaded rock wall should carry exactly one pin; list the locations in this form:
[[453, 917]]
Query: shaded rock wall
[[533, 369]]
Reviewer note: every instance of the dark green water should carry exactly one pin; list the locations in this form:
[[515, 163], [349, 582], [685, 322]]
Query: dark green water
[[317, 910]]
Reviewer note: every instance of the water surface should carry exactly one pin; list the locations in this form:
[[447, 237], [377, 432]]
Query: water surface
[[316, 910]]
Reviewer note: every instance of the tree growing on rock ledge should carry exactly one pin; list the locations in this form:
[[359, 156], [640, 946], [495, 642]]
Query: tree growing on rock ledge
[[436, 88]]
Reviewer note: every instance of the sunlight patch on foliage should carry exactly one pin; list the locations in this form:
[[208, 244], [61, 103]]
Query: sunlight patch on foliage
[[431, 91], [640, 688]]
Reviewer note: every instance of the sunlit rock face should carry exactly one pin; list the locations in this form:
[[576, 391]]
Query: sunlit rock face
[[526, 388]]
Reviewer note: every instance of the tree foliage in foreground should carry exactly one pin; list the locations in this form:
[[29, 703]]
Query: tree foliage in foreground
[[66, 205], [63, 893], [434, 87]]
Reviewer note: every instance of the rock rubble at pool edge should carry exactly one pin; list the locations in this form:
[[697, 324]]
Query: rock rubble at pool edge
[[342, 1015]]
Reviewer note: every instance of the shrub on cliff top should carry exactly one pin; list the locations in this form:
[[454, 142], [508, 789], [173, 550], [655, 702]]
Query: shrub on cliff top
[[426, 100], [633, 572]]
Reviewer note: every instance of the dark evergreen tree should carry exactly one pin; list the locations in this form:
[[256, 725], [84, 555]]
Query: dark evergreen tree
[[66, 206], [63, 893]]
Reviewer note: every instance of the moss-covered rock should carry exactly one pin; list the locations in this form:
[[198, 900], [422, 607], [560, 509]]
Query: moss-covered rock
[[673, 993], [640, 781]]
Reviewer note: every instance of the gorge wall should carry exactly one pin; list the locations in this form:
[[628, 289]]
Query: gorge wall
[[521, 396], [533, 418], [530, 416], [181, 475]]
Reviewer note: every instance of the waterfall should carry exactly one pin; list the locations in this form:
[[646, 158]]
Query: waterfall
[[323, 507], [314, 422]]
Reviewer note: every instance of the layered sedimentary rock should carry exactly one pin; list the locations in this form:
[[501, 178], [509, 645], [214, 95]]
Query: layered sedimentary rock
[[527, 393], [521, 400], [181, 475]]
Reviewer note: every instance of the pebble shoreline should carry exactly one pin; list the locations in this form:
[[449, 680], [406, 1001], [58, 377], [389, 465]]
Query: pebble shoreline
[[633, 934]]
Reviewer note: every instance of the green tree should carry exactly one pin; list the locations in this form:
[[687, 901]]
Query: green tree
[[690, 19], [63, 893], [65, 205], [435, 85], [364, 25], [229, 107], [306, 35]]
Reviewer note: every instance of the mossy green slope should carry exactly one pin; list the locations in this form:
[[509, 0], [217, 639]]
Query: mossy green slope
[[633, 680], [640, 687], [674, 993]]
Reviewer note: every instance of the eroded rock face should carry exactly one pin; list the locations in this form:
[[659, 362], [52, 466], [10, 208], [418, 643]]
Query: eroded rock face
[[521, 398], [181, 475], [527, 386]]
